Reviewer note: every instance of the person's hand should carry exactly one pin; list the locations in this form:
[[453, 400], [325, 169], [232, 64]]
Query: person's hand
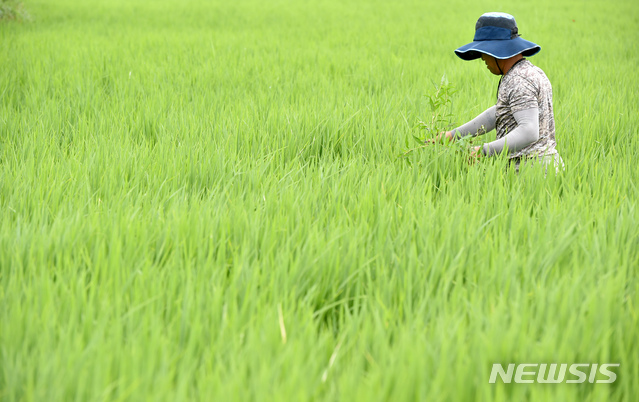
[[475, 155], [438, 138]]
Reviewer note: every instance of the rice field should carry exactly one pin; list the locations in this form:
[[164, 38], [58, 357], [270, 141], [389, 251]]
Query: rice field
[[204, 200]]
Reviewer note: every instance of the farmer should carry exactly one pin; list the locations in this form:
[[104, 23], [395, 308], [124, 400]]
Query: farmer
[[523, 115]]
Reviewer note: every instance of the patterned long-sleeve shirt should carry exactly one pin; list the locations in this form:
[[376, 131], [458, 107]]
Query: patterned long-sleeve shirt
[[524, 87]]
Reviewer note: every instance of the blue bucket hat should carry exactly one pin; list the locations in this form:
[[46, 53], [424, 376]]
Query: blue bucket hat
[[496, 35]]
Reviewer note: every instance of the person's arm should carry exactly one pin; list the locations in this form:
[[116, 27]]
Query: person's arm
[[526, 133], [481, 124]]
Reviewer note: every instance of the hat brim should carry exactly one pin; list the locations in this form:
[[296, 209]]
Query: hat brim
[[499, 49]]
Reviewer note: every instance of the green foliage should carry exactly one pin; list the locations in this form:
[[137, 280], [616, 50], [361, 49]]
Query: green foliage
[[439, 103], [440, 121], [203, 201]]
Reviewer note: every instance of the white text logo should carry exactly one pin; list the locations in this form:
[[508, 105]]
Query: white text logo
[[553, 373]]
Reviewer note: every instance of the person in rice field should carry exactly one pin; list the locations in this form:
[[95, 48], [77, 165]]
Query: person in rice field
[[523, 116]]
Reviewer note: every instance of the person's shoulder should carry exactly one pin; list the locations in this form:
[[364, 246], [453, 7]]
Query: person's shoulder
[[526, 69], [538, 71], [530, 73]]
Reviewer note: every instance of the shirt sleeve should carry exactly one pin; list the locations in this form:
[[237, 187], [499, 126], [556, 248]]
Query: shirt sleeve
[[523, 96], [526, 133], [481, 124]]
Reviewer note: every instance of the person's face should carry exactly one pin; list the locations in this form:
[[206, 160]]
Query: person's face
[[491, 64]]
